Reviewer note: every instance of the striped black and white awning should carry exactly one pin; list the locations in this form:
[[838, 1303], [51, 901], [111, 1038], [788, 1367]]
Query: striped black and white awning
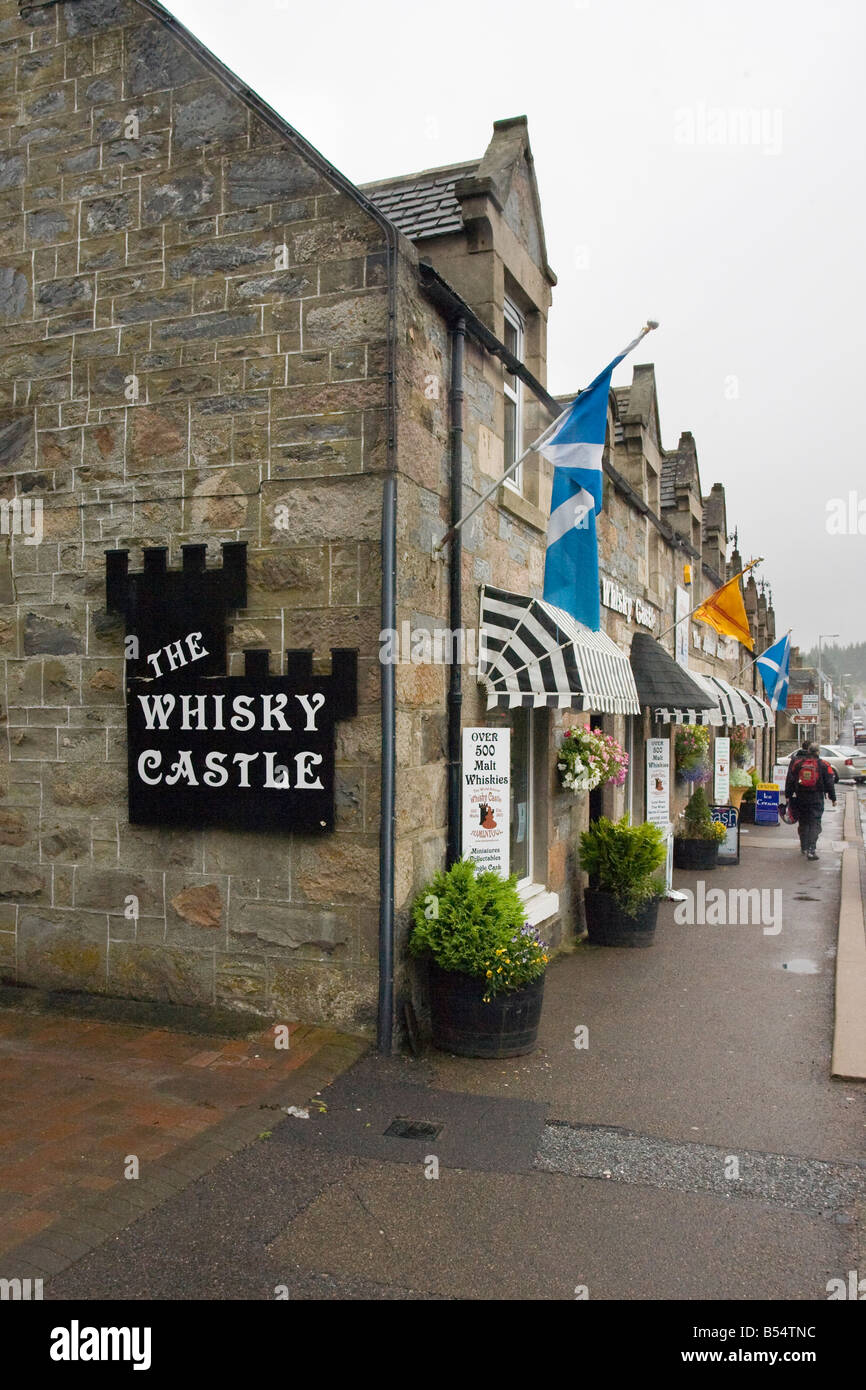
[[534, 654], [732, 705]]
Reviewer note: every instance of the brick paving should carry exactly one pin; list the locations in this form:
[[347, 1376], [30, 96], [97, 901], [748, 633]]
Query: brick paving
[[77, 1097]]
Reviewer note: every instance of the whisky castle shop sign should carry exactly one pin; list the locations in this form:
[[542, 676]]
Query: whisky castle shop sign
[[252, 751], [620, 601]]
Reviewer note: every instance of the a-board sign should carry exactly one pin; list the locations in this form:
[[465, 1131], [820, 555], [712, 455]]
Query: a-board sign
[[252, 751], [767, 804], [729, 849], [486, 780]]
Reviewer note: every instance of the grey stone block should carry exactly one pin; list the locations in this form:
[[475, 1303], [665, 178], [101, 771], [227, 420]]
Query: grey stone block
[[16, 434], [262, 926], [186, 196], [89, 16], [136, 310], [13, 169], [44, 635], [109, 214], [157, 60], [265, 178], [47, 226], [14, 293], [219, 325], [60, 294], [220, 257], [211, 116]]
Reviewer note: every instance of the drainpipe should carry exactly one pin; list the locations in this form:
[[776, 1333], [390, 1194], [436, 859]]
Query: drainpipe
[[388, 676], [385, 1025], [455, 596]]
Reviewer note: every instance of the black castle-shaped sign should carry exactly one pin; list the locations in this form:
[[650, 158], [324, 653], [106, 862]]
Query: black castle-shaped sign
[[255, 752]]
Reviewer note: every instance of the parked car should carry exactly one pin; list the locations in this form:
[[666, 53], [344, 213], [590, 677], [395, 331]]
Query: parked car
[[783, 762], [846, 762]]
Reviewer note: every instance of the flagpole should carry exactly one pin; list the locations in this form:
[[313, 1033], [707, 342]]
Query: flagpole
[[739, 575], [452, 530]]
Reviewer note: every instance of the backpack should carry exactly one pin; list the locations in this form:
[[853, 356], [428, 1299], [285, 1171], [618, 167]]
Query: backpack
[[809, 773]]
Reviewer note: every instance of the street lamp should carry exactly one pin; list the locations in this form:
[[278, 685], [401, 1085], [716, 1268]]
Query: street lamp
[[821, 636]]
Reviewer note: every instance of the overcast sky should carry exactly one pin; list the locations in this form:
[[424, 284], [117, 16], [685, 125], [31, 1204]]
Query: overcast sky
[[699, 162]]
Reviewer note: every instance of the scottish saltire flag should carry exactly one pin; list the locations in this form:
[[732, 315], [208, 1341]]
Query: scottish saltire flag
[[574, 447], [774, 667]]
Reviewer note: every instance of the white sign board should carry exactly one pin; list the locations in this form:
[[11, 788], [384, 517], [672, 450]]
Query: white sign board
[[487, 798], [681, 650], [658, 781], [722, 785], [809, 707]]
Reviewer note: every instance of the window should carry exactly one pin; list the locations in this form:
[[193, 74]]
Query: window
[[530, 737], [522, 767], [513, 338]]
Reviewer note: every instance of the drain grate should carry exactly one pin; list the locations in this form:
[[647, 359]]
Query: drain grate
[[401, 1128]]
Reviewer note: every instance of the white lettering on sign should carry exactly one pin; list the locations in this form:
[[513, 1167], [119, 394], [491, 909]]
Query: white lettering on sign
[[620, 601], [175, 655], [206, 712]]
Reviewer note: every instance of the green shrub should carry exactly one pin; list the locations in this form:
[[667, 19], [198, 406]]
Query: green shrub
[[698, 823], [476, 925], [622, 859]]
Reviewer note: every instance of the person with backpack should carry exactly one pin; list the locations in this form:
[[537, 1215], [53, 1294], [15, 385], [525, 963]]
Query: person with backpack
[[809, 780]]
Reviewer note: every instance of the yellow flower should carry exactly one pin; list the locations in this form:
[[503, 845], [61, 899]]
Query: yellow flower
[[507, 961], [489, 973], [499, 971]]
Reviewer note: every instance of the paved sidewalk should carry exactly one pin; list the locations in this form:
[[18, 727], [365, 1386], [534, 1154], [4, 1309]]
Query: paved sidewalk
[[81, 1096], [697, 1149]]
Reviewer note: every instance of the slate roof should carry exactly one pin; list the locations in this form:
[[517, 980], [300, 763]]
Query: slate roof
[[422, 205], [668, 483]]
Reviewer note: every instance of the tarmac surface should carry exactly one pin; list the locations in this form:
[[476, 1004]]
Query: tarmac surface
[[697, 1148]]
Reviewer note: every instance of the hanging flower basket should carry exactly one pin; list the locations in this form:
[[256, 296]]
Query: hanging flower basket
[[691, 754], [741, 746], [587, 759]]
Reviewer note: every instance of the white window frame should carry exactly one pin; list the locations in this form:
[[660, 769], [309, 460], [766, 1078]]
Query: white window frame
[[515, 318], [530, 801], [539, 903]]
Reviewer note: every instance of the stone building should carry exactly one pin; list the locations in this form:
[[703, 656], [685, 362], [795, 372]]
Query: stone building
[[212, 338]]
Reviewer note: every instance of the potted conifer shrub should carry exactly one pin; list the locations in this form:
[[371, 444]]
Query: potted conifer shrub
[[622, 898], [698, 836], [486, 965]]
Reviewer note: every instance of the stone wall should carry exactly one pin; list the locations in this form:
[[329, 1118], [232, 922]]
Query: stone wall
[[500, 547], [194, 318]]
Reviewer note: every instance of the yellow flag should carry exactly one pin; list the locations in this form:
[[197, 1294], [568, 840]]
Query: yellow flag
[[725, 611]]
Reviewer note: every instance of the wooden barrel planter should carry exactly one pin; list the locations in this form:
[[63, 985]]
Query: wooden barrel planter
[[608, 925], [695, 854], [463, 1023]]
